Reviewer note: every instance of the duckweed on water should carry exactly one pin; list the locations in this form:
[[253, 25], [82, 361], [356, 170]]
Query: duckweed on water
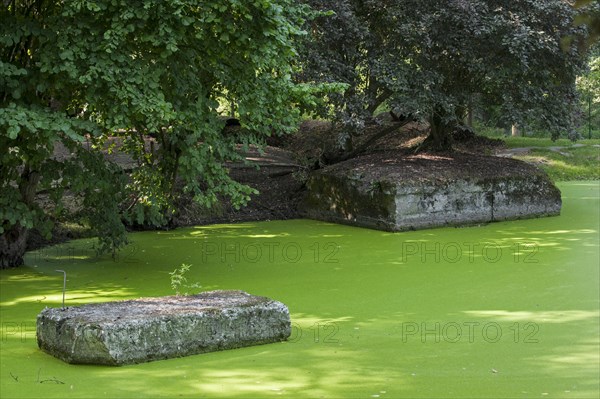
[[504, 310]]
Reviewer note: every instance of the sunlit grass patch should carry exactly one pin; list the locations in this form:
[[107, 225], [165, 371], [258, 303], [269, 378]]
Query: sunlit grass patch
[[580, 163], [519, 142]]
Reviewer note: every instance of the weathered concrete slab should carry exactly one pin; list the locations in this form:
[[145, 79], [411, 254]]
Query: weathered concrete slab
[[147, 329], [409, 193]]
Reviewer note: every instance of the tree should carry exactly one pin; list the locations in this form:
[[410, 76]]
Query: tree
[[349, 43], [439, 58], [83, 74], [590, 17], [588, 85]]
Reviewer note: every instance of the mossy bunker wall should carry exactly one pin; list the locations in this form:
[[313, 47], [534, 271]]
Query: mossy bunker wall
[[422, 192], [142, 330]]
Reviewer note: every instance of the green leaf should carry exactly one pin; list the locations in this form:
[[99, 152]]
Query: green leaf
[[13, 132], [125, 69]]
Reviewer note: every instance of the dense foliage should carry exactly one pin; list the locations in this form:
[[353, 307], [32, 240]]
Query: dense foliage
[[155, 78], [440, 58], [588, 85], [89, 74], [590, 16]]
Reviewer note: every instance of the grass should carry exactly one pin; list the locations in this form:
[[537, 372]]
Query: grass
[[567, 163], [534, 134], [520, 142], [523, 141], [582, 163], [502, 310]]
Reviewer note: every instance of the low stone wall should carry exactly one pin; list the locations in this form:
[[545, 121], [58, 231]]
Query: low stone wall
[[147, 329], [422, 192]]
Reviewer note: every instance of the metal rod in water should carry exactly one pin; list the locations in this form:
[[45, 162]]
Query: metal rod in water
[[64, 286]]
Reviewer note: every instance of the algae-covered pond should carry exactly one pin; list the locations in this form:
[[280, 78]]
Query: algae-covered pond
[[504, 310]]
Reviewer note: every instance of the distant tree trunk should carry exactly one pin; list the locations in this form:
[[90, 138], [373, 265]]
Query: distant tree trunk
[[465, 114], [469, 119], [590, 117], [515, 131]]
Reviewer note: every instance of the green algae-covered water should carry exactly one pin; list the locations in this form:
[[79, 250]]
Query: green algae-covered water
[[503, 310]]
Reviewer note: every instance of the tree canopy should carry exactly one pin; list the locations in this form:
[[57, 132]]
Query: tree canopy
[[76, 73], [155, 78], [440, 58], [588, 85], [590, 16]]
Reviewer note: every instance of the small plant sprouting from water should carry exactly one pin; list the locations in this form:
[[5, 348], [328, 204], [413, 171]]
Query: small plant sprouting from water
[[179, 281]]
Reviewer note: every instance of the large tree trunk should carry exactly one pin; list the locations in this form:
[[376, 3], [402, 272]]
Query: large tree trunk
[[440, 135], [351, 152], [13, 244]]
